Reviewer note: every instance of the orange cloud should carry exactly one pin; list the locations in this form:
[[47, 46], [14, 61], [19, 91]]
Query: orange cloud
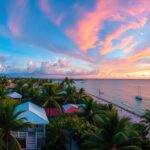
[[142, 54], [86, 32], [107, 43]]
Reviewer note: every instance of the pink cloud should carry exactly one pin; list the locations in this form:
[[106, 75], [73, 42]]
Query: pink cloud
[[86, 32], [141, 54], [127, 44], [16, 16], [14, 27], [60, 66], [47, 9], [107, 43]]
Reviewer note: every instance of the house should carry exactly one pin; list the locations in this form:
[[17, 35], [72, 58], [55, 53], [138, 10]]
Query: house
[[70, 108], [33, 137], [73, 108], [52, 112], [15, 95], [11, 87]]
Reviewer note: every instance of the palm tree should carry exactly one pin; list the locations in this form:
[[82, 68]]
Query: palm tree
[[3, 92], [105, 107], [89, 110], [33, 94], [3, 81], [68, 82], [113, 133], [70, 94], [81, 94], [145, 141], [51, 93], [9, 122], [146, 120]]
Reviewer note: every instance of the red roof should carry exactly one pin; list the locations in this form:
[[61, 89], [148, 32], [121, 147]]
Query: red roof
[[70, 108], [52, 112]]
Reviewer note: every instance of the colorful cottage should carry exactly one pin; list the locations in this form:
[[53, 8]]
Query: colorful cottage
[[15, 95], [73, 108], [33, 137]]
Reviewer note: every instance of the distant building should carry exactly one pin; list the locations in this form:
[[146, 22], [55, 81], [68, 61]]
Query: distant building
[[11, 87], [73, 108], [15, 95]]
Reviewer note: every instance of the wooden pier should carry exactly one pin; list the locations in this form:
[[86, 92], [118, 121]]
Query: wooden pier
[[123, 112]]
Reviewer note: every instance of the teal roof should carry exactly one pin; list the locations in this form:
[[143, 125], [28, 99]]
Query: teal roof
[[33, 113]]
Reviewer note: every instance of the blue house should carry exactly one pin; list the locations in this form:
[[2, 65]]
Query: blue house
[[34, 137]]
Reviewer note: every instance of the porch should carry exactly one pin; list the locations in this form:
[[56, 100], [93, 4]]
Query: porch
[[33, 138]]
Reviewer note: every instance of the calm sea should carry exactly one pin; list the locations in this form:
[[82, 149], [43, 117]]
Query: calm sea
[[120, 91]]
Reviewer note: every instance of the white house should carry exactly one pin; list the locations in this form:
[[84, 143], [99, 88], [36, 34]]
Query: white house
[[15, 95]]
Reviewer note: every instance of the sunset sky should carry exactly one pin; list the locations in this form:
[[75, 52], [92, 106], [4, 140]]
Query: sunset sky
[[75, 38]]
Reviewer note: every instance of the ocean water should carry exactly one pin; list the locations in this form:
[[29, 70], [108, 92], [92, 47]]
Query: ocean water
[[120, 91]]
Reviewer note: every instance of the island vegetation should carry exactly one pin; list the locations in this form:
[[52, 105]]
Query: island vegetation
[[96, 127]]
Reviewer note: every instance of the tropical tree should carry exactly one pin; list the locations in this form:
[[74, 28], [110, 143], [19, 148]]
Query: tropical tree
[[70, 94], [56, 138], [3, 81], [113, 133], [3, 92], [143, 133], [68, 82], [62, 130], [51, 93], [81, 95], [9, 122], [89, 110], [105, 107], [33, 94], [146, 120]]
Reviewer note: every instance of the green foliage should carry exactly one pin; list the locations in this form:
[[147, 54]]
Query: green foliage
[[9, 122], [112, 132], [97, 127], [146, 120], [3, 91], [143, 134], [51, 94], [63, 128], [70, 94], [55, 136]]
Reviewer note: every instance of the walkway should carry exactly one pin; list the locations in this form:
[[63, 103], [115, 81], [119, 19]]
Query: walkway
[[122, 111]]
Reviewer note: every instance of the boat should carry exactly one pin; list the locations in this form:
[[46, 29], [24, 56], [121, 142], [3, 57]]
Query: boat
[[138, 97]]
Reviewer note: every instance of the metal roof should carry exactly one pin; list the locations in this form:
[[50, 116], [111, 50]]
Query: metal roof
[[68, 106], [33, 113], [15, 95]]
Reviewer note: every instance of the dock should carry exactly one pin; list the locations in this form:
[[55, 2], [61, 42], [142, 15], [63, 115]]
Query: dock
[[122, 111]]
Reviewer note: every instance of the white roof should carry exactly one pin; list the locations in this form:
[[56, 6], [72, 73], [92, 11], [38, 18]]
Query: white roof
[[33, 113], [15, 95]]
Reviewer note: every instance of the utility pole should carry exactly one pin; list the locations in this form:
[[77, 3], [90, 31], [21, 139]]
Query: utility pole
[[100, 93]]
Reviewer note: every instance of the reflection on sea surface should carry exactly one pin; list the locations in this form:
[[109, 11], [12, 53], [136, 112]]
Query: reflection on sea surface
[[121, 92]]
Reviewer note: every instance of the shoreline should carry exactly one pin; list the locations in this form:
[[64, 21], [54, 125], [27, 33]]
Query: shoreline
[[122, 111]]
